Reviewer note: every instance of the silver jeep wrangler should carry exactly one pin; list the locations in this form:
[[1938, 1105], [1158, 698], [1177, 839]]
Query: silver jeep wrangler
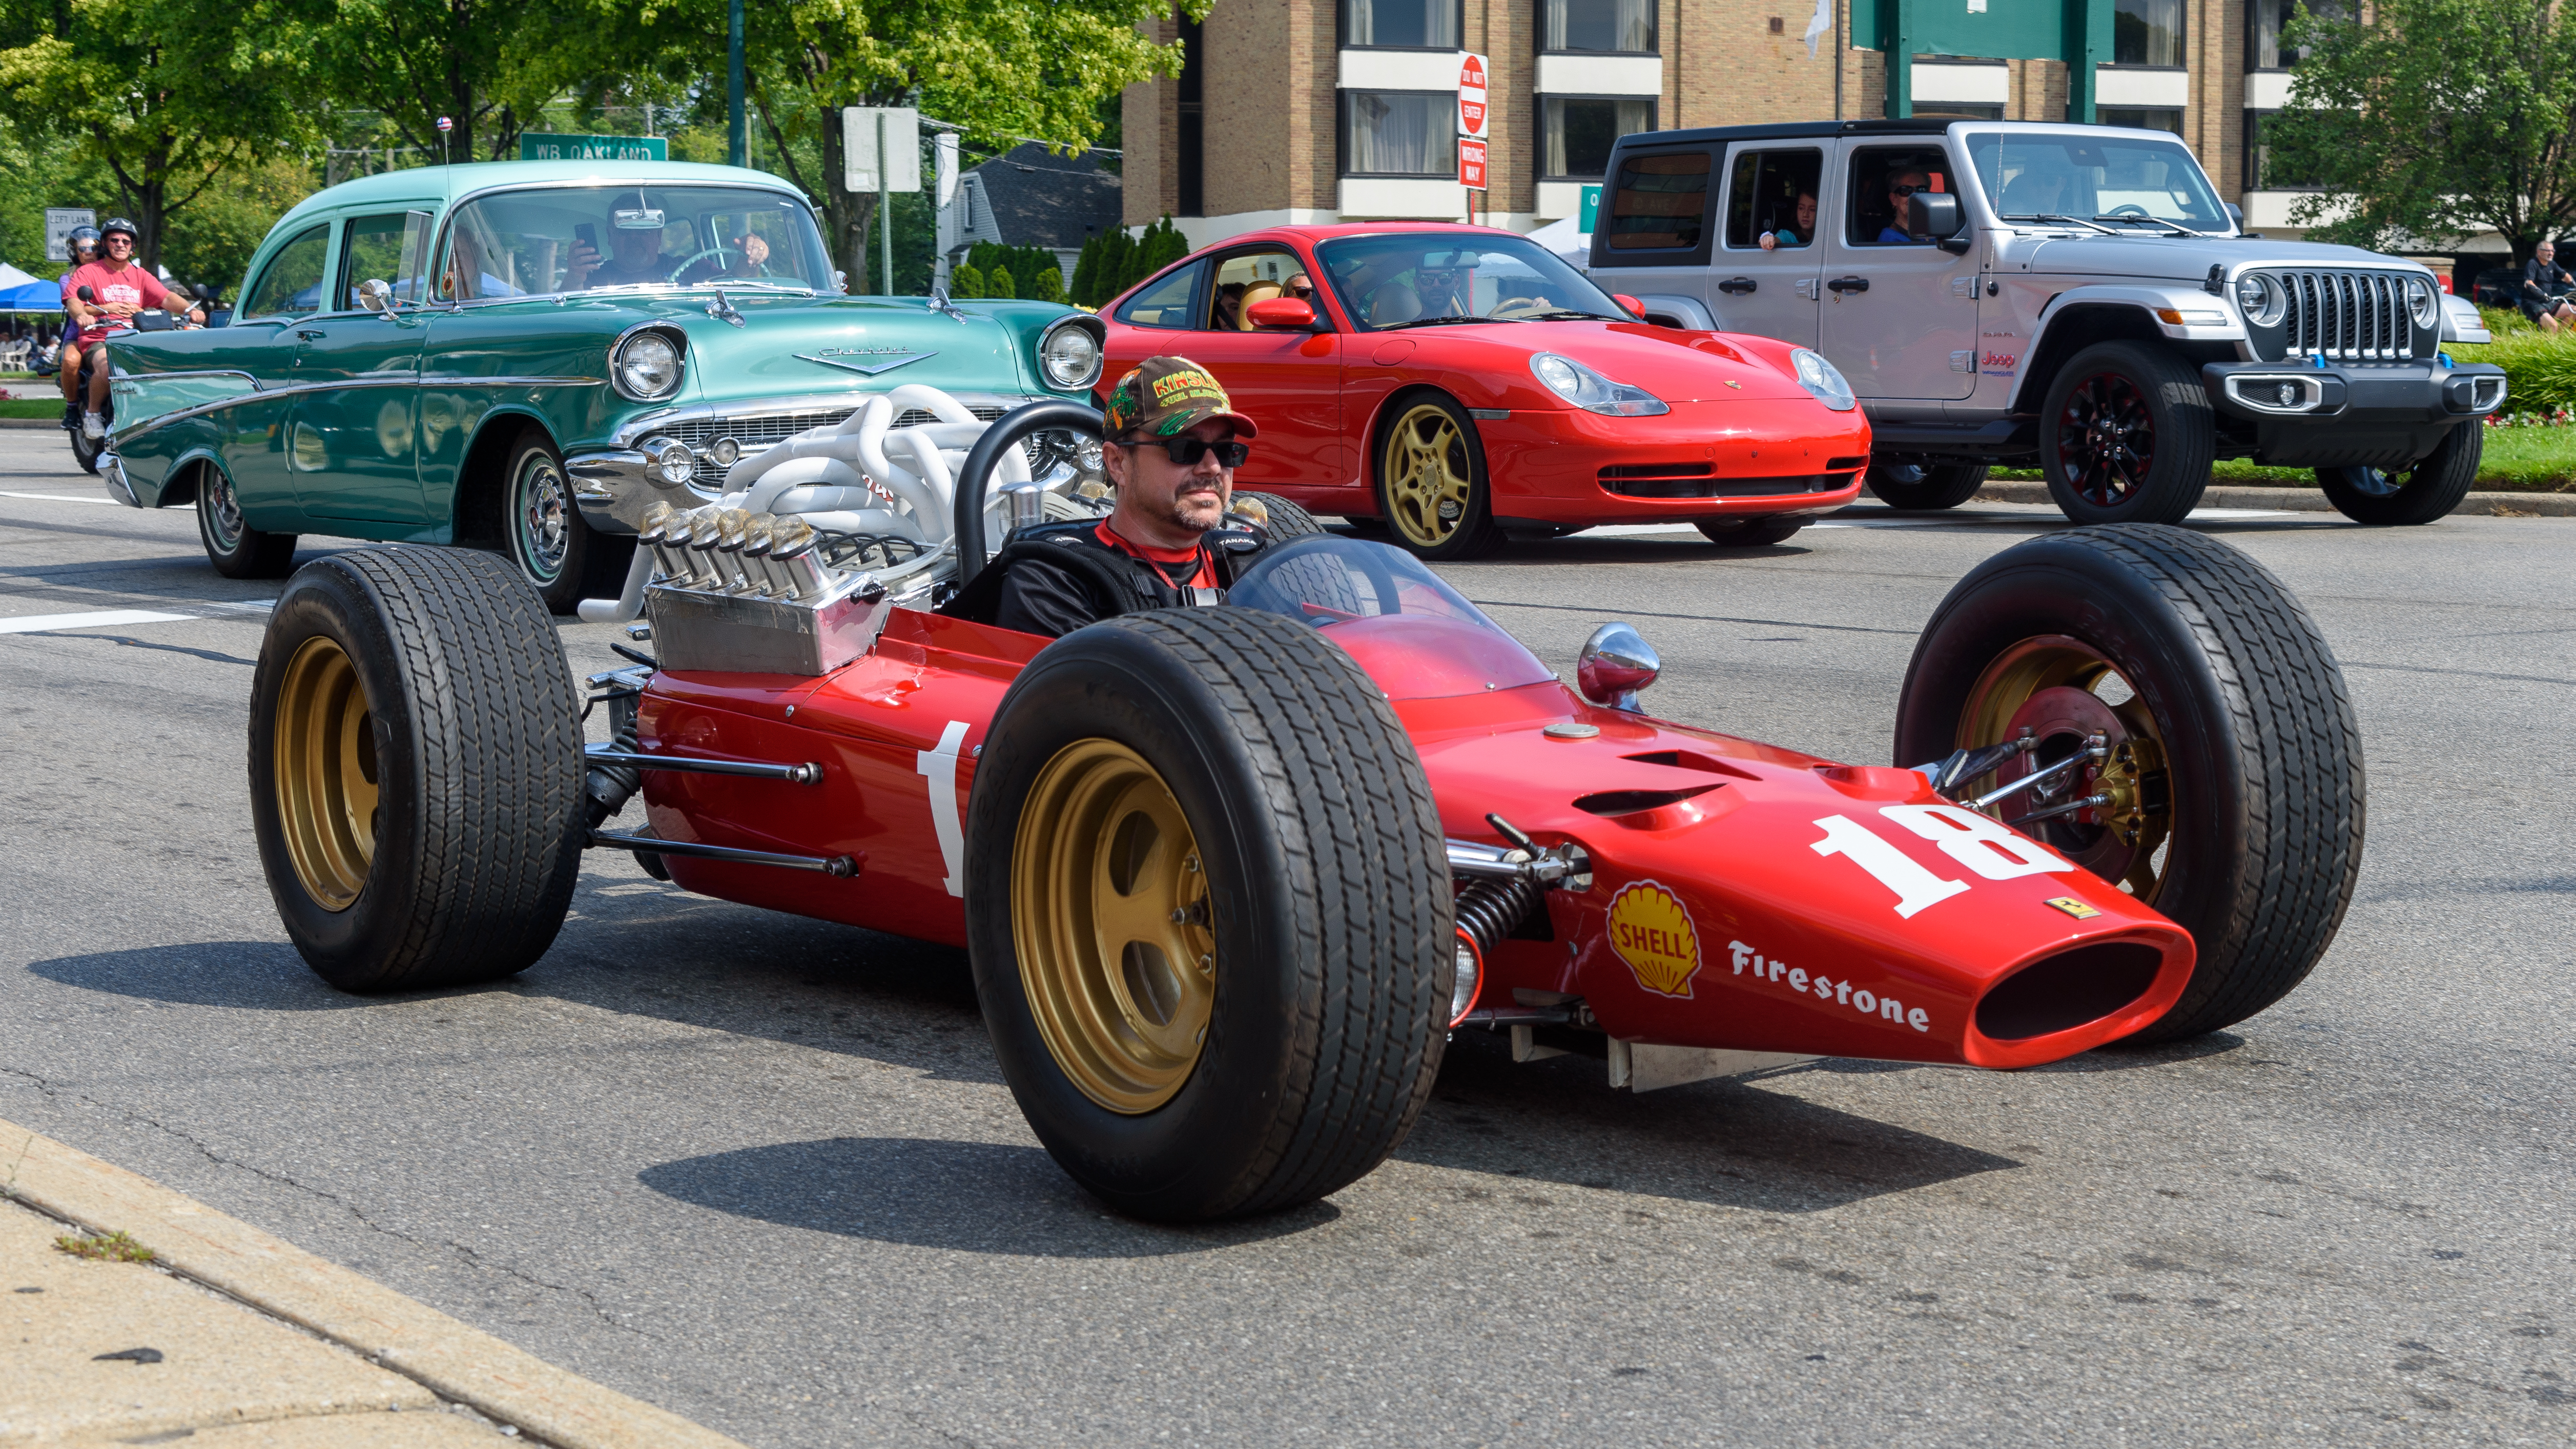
[[2074, 298]]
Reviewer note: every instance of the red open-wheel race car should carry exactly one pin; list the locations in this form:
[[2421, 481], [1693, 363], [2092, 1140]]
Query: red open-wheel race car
[[1230, 877]]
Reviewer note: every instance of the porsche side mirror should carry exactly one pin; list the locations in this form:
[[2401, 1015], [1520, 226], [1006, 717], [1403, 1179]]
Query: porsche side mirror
[[1934, 216], [376, 295], [1283, 312], [1616, 662], [1635, 309]]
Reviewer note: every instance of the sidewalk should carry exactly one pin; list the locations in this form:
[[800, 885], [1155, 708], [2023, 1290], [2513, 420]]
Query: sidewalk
[[229, 1338]]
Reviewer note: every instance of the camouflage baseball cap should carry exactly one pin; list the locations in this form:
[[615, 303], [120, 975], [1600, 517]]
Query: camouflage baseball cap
[[1165, 396]]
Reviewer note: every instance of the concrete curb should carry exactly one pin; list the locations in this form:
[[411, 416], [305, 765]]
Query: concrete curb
[[54, 423], [2301, 500], [462, 1364]]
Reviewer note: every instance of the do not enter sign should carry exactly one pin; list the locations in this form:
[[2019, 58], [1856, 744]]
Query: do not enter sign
[[1471, 94]]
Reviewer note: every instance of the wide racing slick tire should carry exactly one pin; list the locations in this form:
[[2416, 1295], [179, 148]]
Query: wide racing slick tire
[[1749, 532], [2236, 769], [544, 533], [1284, 521], [237, 550], [1209, 911], [1433, 489], [415, 768], [1918, 484], [2420, 493], [2126, 436]]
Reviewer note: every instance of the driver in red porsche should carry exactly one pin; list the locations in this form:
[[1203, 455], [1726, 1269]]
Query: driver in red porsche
[[1172, 441]]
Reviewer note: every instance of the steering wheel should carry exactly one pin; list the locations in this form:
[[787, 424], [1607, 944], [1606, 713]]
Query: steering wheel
[[720, 255], [1524, 306], [2129, 208]]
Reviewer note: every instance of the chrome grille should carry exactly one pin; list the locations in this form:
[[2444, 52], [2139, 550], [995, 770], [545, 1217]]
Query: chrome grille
[[2352, 316], [754, 434]]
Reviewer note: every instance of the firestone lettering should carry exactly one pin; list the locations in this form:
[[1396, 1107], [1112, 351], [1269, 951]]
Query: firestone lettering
[[1838, 993]]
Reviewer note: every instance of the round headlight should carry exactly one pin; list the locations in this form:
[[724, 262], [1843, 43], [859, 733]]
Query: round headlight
[[723, 452], [1071, 356], [1822, 380], [2262, 299], [648, 366], [2420, 301]]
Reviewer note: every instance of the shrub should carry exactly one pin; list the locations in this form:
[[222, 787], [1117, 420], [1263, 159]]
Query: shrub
[[998, 283], [965, 281]]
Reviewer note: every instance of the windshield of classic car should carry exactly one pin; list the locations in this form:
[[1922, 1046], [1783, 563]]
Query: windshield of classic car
[[1418, 637], [554, 239], [1426, 278], [2110, 181]]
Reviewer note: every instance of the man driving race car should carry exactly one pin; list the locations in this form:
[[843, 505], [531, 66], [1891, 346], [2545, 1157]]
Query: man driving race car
[[119, 290], [1172, 441]]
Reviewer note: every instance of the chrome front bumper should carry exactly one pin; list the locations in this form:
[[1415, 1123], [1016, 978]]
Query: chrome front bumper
[[615, 488]]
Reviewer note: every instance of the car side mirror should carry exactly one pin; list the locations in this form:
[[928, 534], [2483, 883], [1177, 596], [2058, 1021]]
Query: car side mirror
[[1283, 312], [1616, 662], [86, 295], [1934, 216], [376, 295], [1635, 308], [2235, 214]]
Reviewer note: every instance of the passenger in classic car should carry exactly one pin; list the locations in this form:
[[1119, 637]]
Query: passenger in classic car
[[635, 257]]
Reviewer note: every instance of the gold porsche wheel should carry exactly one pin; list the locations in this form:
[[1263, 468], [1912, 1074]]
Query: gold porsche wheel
[[1109, 903], [325, 744], [2063, 691], [1427, 478]]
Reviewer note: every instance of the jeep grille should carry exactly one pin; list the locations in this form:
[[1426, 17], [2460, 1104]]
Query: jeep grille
[[2349, 316]]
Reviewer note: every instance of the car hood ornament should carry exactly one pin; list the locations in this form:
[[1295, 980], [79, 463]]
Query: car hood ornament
[[868, 361]]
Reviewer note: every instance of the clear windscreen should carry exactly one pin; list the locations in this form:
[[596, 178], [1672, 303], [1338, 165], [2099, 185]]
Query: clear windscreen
[[544, 241], [1422, 278], [2108, 180], [1416, 636]]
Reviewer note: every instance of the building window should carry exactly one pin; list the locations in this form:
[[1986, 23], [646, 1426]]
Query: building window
[[2262, 171], [1401, 24], [1600, 25], [2147, 32], [2144, 120], [1581, 129], [2266, 21], [1400, 133]]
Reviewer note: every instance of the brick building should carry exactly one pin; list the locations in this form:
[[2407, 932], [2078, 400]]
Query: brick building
[[1326, 110]]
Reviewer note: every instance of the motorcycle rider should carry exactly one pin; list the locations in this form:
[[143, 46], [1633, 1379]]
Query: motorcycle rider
[[119, 289], [82, 243]]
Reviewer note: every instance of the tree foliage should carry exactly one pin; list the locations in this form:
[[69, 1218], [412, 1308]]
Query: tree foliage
[[2432, 120], [1113, 261]]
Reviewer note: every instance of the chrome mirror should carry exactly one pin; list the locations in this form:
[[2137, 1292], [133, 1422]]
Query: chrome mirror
[[840, 280], [376, 295], [1615, 663]]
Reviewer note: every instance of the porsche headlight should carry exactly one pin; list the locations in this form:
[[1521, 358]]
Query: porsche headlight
[[647, 366], [1070, 355], [2420, 302], [2262, 299], [1822, 381], [1592, 392]]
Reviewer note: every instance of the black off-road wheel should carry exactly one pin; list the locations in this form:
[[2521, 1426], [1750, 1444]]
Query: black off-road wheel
[[237, 550], [1284, 521], [1432, 487], [1919, 484], [2428, 490], [1209, 911], [1749, 532], [415, 769], [2127, 436], [2234, 776], [544, 533]]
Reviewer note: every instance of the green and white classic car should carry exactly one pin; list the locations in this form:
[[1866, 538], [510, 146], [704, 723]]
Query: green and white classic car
[[526, 356]]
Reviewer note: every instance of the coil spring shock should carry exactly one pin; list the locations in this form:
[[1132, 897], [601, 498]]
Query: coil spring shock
[[1489, 910]]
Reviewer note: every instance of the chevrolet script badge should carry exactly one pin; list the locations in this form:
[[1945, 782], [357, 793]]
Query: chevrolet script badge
[[868, 361]]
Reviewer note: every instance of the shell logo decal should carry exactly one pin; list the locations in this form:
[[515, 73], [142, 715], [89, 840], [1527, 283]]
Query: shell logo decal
[[1651, 930]]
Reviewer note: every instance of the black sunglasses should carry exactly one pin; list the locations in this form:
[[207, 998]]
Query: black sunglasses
[[1901, 189], [1186, 452]]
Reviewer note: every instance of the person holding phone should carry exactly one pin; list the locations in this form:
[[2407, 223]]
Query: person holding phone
[[634, 257]]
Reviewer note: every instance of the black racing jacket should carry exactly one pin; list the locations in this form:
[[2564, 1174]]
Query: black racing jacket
[[1053, 578]]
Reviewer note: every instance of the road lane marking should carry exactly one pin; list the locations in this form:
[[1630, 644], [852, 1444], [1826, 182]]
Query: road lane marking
[[32, 623], [64, 498]]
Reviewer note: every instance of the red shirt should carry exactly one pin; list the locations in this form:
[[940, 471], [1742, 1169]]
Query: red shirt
[[1166, 559], [130, 284]]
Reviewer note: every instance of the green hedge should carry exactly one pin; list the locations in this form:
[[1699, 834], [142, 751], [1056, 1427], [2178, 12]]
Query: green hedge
[[2539, 367], [1114, 261]]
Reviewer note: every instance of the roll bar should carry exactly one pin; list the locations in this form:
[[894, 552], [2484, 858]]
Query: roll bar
[[975, 475]]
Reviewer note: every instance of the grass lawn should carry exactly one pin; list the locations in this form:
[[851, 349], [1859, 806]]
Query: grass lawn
[[2517, 460], [31, 407]]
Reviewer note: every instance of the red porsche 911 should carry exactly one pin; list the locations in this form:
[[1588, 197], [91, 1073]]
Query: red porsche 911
[[1461, 382]]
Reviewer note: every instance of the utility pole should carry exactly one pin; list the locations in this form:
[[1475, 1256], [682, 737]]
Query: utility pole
[[735, 137], [885, 210]]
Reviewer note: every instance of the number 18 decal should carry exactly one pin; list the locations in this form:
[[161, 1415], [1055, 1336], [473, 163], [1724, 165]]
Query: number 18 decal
[[1981, 843]]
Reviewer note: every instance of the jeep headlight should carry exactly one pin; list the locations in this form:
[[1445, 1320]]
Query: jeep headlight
[[2262, 299], [2421, 303], [646, 367], [1070, 355], [1592, 392], [1822, 380]]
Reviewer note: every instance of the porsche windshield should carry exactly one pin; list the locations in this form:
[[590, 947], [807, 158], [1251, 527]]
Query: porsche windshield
[[553, 239], [2112, 181], [1425, 279], [1416, 636]]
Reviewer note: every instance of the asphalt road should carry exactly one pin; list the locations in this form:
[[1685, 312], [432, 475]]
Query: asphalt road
[[762, 1171]]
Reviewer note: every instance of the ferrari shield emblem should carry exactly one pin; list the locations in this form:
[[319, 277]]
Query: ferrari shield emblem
[[2073, 907], [1651, 930]]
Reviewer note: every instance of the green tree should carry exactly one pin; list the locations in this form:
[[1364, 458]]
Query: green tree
[[964, 280], [1046, 282], [166, 95], [486, 65], [2432, 120], [1000, 283]]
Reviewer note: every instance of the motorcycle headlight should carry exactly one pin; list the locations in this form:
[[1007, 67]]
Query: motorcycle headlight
[[1822, 381], [1070, 355], [2421, 302], [1592, 392], [647, 366], [2261, 299]]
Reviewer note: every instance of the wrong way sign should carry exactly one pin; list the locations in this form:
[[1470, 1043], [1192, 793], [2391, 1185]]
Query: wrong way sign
[[1471, 94]]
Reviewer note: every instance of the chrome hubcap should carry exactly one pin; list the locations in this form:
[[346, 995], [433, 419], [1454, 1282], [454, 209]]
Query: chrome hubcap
[[542, 512]]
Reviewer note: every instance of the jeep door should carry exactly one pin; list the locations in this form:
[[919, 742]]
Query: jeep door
[[1770, 291], [1899, 316], [350, 435]]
